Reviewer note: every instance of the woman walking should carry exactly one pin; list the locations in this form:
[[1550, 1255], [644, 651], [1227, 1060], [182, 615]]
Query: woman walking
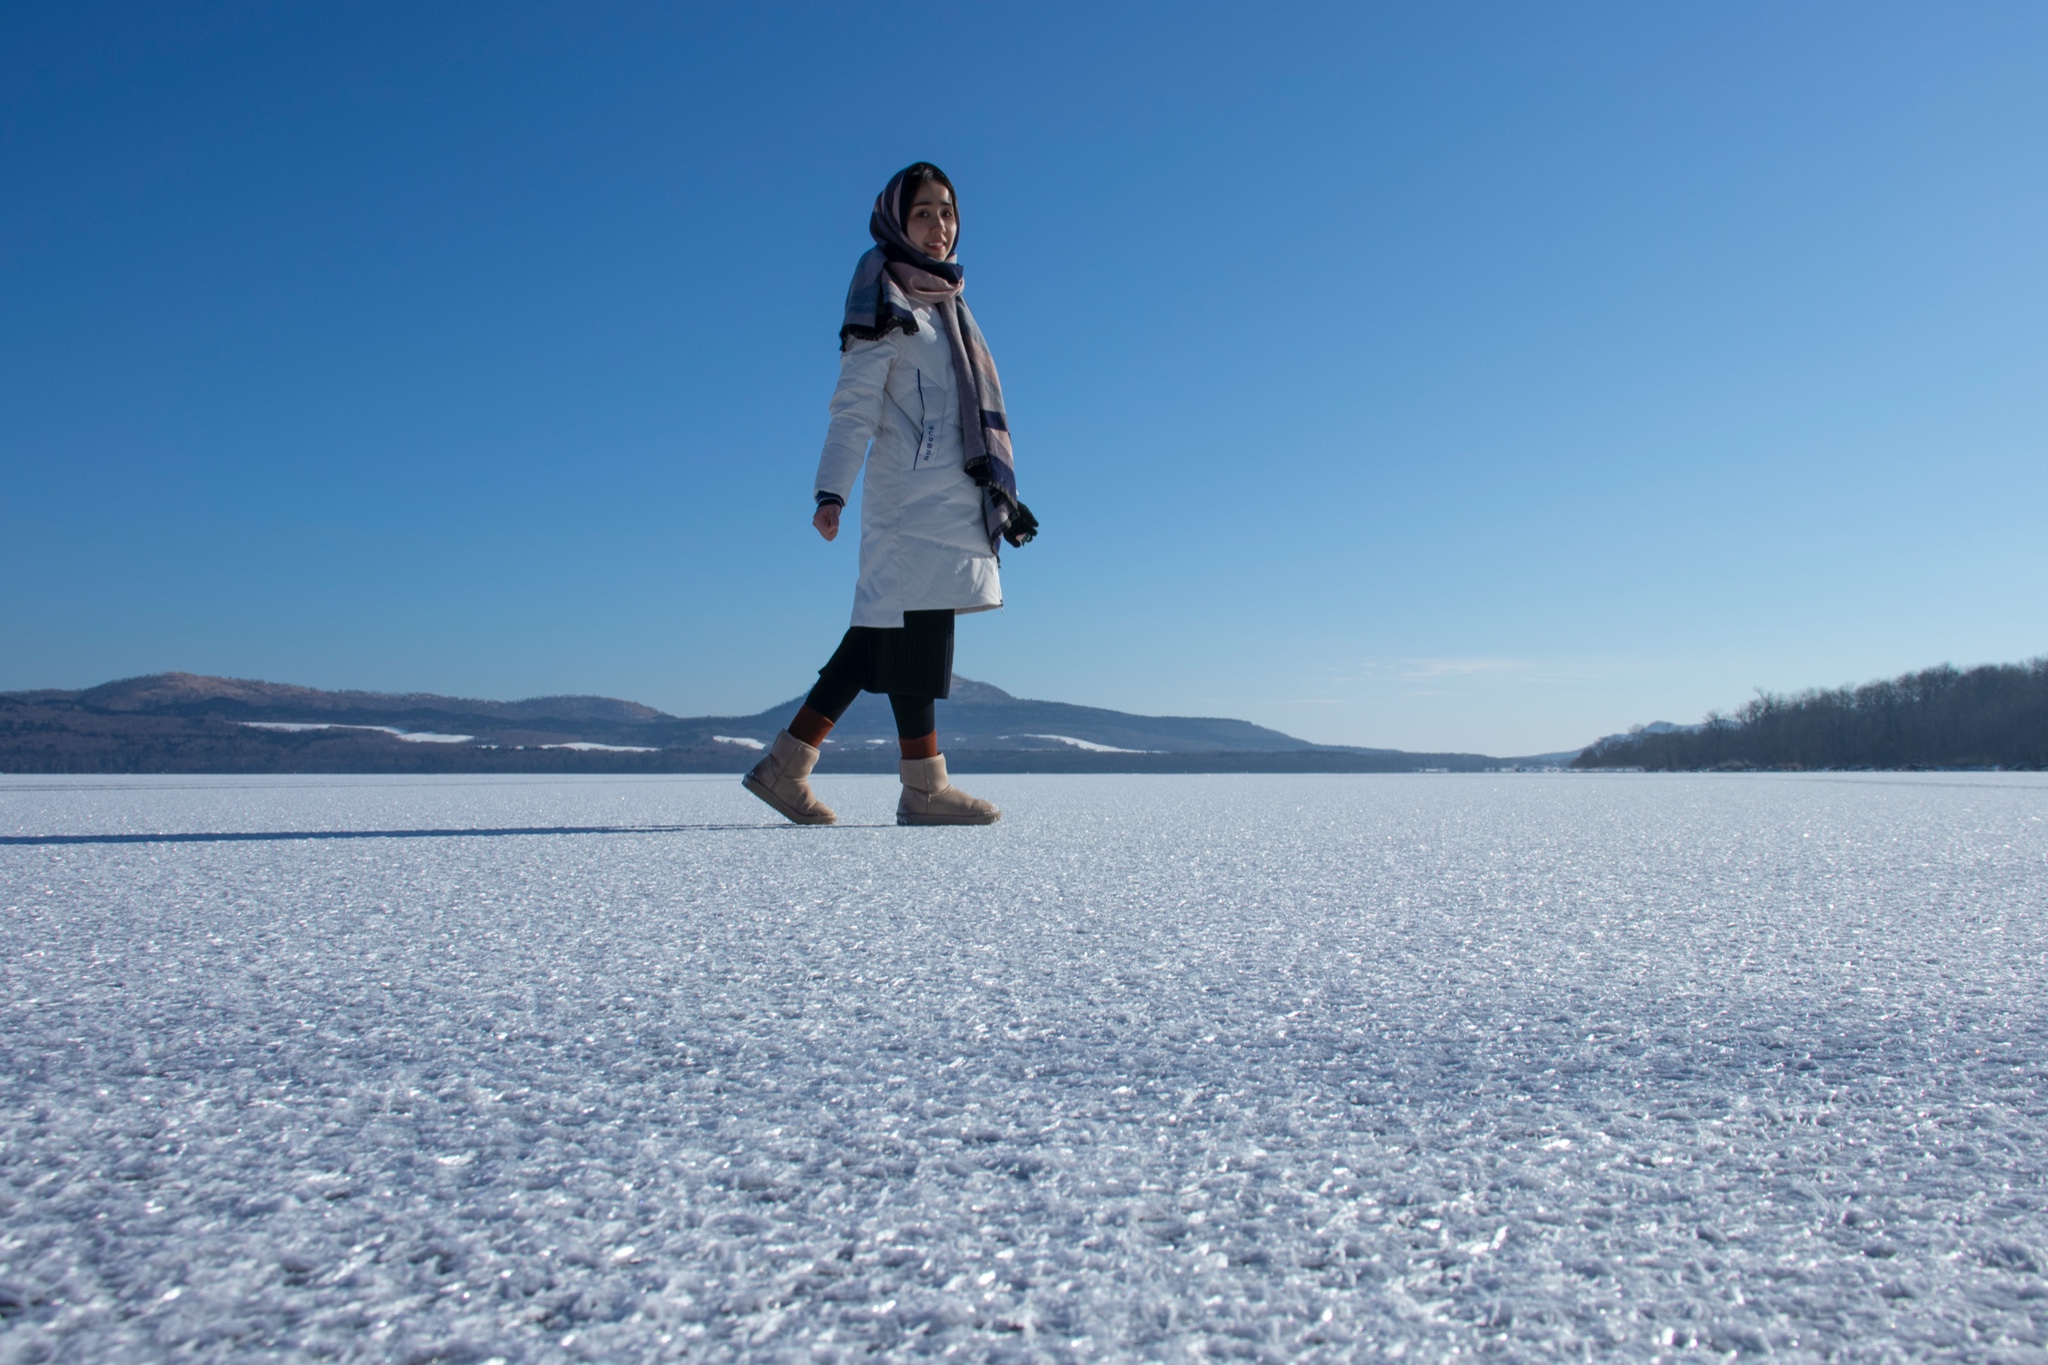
[[916, 380]]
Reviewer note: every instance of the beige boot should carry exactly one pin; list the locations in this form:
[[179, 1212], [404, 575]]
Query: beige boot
[[929, 799], [783, 780]]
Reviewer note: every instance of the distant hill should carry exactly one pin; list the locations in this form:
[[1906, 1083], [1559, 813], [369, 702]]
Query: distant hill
[[1995, 716], [184, 722], [194, 695]]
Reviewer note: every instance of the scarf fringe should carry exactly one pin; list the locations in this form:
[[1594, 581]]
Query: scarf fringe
[[853, 331]]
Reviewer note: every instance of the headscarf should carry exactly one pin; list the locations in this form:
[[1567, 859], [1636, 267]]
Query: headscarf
[[894, 275]]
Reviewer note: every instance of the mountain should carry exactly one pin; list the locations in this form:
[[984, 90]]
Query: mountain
[[184, 722], [193, 695]]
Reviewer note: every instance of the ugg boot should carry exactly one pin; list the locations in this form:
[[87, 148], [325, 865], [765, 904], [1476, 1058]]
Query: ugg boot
[[783, 779], [929, 799]]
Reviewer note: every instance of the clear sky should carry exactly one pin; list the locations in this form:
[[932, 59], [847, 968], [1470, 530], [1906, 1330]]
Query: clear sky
[[1433, 376]]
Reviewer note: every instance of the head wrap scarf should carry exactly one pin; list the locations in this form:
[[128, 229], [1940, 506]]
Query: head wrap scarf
[[893, 277]]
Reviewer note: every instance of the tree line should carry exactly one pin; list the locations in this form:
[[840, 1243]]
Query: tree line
[[1995, 716]]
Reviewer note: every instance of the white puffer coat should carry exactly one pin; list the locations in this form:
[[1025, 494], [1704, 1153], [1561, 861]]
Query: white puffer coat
[[923, 545]]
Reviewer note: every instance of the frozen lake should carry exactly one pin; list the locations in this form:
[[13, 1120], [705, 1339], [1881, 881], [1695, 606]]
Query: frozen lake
[[1160, 1067]]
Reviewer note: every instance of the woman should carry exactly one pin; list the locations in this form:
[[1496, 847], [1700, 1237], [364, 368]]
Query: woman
[[915, 378]]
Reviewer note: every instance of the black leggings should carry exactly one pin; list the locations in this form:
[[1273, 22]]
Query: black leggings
[[838, 685]]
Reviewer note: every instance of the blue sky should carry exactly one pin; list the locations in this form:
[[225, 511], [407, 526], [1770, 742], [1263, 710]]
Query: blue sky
[[1467, 376]]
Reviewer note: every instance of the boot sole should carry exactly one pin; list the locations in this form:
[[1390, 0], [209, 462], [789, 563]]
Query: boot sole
[[903, 819], [793, 816]]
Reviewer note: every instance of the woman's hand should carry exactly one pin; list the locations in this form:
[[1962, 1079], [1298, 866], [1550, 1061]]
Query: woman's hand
[[826, 519]]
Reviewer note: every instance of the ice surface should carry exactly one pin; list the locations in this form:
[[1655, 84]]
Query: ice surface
[[1260, 1067]]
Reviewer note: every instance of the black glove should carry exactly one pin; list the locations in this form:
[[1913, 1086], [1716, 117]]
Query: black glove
[[1023, 526]]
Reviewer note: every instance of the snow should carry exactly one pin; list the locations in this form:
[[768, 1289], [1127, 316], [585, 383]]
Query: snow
[[587, 747], [410, 736], [1090, 745], [740, 740], [1268, 1067]]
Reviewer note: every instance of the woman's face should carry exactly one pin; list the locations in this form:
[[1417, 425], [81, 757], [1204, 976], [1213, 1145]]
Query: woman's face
[[933, 221]]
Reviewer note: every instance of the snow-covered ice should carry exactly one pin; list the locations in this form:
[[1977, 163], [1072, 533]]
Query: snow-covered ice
[[1263, 1067]]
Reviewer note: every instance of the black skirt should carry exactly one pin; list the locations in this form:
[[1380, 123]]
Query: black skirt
[[913, 660]]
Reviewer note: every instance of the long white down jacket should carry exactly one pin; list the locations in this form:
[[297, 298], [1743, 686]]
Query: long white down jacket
[[923, 546]]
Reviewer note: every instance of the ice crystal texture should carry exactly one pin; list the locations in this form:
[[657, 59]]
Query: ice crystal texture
[[1258, 1067]]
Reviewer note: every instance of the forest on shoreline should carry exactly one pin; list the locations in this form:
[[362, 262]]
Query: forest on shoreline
[[1993, 716]]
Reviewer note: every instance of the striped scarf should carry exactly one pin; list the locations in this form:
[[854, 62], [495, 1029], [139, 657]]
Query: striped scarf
[[893, 277]]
